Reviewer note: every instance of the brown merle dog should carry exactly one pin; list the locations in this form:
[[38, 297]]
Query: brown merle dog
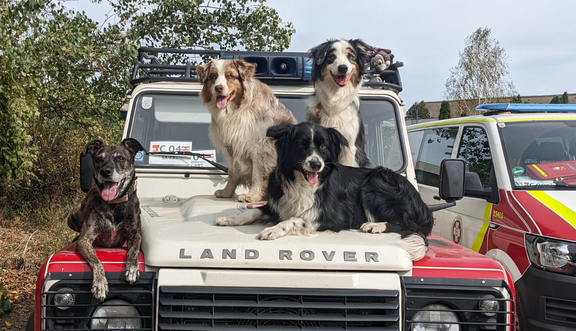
[[109, 215]]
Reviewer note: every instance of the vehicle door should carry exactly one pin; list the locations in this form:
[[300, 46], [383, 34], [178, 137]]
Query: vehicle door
[[470, 218], [429, 147]]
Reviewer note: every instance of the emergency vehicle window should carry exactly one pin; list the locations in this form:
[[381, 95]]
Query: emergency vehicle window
[[475, 150], [436, 146]]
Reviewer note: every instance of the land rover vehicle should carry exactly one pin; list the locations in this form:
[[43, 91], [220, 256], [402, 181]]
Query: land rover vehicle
[[519, 206], [196, 276]]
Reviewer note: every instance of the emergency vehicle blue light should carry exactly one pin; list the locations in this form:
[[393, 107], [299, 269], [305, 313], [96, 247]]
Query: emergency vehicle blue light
[[527, 107]]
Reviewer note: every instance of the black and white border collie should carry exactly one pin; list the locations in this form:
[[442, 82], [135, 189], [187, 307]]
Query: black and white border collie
[[309, 191], [337, 72]]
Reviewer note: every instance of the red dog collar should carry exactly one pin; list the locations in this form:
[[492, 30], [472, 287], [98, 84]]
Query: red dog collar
[[122, 199]]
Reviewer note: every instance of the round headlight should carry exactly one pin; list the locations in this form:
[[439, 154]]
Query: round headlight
[[65, 298], [115, 314], [489, 305], [435, 317]]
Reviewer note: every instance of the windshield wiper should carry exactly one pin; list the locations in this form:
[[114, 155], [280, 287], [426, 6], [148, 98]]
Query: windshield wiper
[[556, 186], [198, 155]]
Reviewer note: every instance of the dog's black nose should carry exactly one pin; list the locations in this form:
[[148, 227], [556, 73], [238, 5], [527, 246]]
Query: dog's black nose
[[315, 165], [106, 171], [219, 88], [342, 68]]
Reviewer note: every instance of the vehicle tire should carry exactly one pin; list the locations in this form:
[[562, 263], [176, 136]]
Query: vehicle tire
[[30, 323]]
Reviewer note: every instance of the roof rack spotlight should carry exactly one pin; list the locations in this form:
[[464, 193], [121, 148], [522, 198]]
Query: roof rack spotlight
[[494, 108]]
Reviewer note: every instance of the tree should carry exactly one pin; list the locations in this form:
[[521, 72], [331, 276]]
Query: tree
[[516, 99], [63, 75], [481, 73], [418, 110], [444, 111], [555, 100], [564, 98]]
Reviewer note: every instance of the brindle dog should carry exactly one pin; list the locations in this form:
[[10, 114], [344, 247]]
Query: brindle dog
[[109, 215]]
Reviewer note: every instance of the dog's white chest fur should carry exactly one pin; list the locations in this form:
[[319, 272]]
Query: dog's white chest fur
[[299, 201]]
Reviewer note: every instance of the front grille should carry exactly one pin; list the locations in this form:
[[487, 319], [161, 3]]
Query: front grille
[[231, 308], [461, 297], [560, 310], [139, 295]]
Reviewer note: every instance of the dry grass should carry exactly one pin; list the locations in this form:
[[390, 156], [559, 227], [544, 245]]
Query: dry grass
[[26, 241]]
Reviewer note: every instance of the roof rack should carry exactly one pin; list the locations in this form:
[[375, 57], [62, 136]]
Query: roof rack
[[295, 67], [498, 108]]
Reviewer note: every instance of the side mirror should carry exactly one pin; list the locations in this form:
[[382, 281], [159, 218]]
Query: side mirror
[[473, 186], [452, 179], [86, 171], [451, 186]]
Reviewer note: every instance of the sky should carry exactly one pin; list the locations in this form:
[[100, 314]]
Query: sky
[[539, 37]]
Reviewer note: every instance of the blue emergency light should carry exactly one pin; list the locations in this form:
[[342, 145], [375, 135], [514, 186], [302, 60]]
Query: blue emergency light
[[527, 107]]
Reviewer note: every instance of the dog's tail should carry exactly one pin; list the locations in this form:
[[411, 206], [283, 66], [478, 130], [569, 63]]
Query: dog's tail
[[416, 245]]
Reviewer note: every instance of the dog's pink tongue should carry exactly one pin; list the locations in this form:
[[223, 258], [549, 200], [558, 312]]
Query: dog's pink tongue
[[341, 80], [312, 177], [221, 102], [109, 191]]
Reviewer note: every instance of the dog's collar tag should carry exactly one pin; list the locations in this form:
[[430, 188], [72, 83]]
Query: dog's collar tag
[[318, 109]]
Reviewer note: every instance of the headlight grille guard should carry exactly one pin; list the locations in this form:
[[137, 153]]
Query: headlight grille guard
[[461, 296], [140, 295]]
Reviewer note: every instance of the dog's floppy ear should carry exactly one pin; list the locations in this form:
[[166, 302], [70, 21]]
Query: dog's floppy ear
[[132, 145], [318, 53], [280, 131], [363, 51], [93, 147], [338, 141], [202, 71], [245, 69]]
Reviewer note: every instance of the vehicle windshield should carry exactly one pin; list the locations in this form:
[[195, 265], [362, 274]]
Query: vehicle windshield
[[179, 123], [540, 154]]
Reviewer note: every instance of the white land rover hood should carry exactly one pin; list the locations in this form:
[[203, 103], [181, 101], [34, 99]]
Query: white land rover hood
[[182, 234]]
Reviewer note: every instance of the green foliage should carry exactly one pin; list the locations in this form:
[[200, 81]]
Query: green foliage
[[444, 111], [516, 99], [564, 98], [64, 77], [556, 99], [418, 109], [480, 76], [6, 307], [194, 23]]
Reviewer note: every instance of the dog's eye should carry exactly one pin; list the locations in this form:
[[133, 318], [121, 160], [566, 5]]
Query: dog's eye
[[230, 77], [332, 58], [213, 76], [302, 145], [121, 158], [322, 146], [352, 58], [99, 158]]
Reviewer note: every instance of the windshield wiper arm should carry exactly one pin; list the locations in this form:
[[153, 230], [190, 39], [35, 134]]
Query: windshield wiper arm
[[199, 155]]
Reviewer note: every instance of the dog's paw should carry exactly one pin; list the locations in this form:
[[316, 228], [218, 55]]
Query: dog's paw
[[247, 197], [224, 221], [100, 289], [272, 233], [223, 194], [371, 227], [132, 272]]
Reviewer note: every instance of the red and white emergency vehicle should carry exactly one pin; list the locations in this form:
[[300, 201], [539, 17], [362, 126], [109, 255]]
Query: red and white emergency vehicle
[[519, 204], [196, 276]]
